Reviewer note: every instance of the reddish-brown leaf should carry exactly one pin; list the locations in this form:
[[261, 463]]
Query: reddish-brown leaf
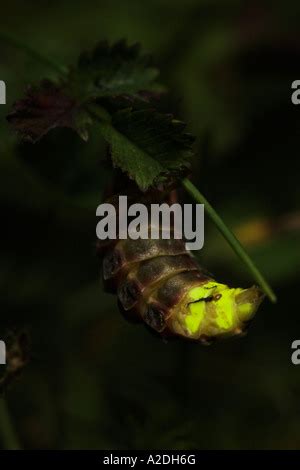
[[42, 109]]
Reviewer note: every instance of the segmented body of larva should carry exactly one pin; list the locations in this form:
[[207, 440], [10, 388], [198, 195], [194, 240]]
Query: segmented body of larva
[[160, 283]]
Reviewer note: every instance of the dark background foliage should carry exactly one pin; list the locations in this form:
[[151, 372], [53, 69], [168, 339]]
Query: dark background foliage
[[95, 381]]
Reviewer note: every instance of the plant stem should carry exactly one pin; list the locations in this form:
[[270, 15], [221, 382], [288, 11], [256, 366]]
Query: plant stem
[[15, 42], [7, 432], [230, 237]]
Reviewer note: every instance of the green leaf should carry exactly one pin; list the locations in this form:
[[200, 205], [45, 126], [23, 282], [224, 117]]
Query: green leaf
[[117, 82], [152, 148], [113, 70]]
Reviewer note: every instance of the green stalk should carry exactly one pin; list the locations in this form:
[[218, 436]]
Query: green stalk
[[18, 43], [7, 433], [231, 239]]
